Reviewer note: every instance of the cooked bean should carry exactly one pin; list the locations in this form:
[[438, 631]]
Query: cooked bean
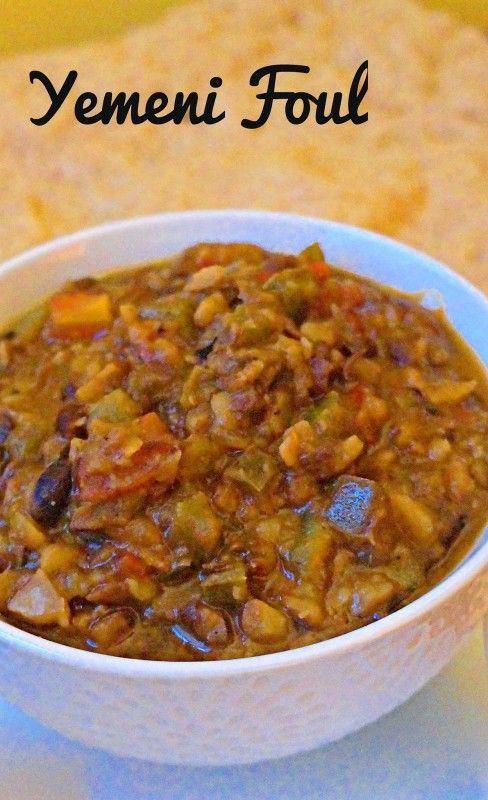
[[263, 623], [114, 627], [51, 493], [209, 624]]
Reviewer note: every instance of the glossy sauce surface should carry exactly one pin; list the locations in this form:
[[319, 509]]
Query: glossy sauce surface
[[230, 453]]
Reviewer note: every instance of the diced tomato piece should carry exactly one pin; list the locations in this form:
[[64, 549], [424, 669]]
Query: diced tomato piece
[[352, 295], [130, 565], [262, 275], [146, 466], [357, 323], [320, 269], [358, 393], [118, 459], [345, 294]]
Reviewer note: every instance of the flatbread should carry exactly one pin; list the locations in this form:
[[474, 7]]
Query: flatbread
[[417, 170]]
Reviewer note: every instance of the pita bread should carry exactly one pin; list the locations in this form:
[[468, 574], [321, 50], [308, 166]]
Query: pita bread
[[417, 170]]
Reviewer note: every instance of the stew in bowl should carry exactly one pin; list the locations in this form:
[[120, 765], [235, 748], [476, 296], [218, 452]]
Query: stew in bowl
[[232, 452]]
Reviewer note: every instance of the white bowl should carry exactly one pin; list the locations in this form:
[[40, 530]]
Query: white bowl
[[267, 706]]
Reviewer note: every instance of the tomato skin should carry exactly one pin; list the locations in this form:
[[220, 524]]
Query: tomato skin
[[320, 269], [130, 566], [344, 294], [105, 473], [262, 275], [143, 470], [358, 394], [352, 295], [356, 323]]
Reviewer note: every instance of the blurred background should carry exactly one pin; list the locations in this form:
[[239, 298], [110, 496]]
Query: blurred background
[[27, 25], [424, 149]]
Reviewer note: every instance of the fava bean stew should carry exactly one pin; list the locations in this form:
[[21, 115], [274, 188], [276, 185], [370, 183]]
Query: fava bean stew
[[229, 453]]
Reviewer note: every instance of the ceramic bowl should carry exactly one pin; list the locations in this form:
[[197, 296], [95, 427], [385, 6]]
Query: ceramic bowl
[[273, 705]]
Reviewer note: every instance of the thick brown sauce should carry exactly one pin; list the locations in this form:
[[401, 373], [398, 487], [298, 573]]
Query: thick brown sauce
[[232, 452]]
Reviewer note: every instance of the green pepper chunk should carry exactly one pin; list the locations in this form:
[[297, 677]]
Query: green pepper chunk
[[312, 254], [197, 525], [253, 468], [296, 287], [228, 587]]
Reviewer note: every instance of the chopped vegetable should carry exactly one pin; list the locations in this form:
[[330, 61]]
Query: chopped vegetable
[[198, 456], [105, 380], [448, 391], [320, 331], [312, 254], [263, 623], [58, 557], [371, 594], [113, 628], [175, 313], [347, 451], [254, 468], [80, 314], [24, 531], [414, 517], [197, 525], [350, 508], [320, 269], [305, 610], [116, 406], [30, 326], [298, 439], [123, 458], [38, 602], [226, 587], [312, 551], [297, 288]]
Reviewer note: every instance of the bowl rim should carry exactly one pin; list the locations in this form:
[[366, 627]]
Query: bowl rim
[[416, 611]]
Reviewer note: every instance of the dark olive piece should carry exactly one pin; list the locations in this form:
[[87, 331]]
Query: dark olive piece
[[51, 492], [82, 284], [399, 350], [4, 458], [68, 391], [351, 504], [71, 420], [6, 426], [205, 351], [451, 535]]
